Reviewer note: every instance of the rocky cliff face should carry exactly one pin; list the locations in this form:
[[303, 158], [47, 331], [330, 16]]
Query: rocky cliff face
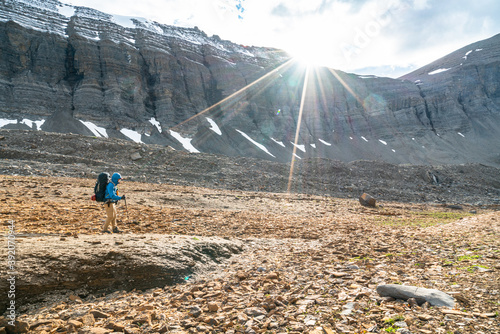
[[82, 71], [63, 62]]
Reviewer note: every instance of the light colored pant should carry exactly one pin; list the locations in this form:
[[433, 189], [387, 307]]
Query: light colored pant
[[111, 219]]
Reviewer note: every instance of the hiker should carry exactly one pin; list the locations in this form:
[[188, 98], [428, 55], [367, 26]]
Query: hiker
[[111, 197]]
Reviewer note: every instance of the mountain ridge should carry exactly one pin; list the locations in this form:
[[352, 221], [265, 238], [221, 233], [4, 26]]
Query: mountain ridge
[[143, 82]]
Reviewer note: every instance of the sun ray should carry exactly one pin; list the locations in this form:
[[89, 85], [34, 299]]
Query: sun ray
[[297, 131], [346, 86], [236, 94], [322, 91], [320, 99]]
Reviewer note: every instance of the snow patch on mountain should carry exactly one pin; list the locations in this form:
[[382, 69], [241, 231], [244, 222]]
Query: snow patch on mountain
[[25, 121], [438, 71], [39, 124], [214, 127], [4, 122], [324, 142], [278, 142], [300, 147], [96, 130], [134, 135], [186, 142], [262, 147], [467, 54], [155, 123]]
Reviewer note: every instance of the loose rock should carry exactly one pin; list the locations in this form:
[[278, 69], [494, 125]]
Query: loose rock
[[421, 295]]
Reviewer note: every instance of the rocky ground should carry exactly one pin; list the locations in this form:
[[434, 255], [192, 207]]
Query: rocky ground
[[52, 154], [309, 261]]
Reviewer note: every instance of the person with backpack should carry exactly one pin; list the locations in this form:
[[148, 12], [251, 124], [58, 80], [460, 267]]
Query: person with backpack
[[110, 199]]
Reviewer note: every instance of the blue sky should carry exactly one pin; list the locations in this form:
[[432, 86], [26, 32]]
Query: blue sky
[[380, 37]]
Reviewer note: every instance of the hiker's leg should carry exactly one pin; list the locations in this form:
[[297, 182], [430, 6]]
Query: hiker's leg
[[113, 221], [111, 215]]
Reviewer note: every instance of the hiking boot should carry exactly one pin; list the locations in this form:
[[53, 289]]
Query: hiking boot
[[116, 230], [106, 231]]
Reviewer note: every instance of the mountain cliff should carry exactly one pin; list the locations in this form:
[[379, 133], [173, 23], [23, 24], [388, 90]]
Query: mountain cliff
[[62, 64], [75, 69]]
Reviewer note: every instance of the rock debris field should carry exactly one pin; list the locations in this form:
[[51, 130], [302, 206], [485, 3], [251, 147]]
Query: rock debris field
[[214, 259]]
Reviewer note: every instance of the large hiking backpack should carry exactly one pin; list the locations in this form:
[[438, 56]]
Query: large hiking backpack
[[100, 187]]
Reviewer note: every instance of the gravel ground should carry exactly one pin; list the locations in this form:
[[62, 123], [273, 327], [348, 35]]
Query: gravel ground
[[50, 154], [311, 260]]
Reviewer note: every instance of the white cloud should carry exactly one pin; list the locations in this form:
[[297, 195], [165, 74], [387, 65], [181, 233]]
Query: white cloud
[[420, 4]]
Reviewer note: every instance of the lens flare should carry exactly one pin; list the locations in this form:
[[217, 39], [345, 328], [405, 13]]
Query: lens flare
[[301, 109], [268, 75]]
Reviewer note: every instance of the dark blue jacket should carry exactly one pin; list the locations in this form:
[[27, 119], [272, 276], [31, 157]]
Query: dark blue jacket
[[111, 188]]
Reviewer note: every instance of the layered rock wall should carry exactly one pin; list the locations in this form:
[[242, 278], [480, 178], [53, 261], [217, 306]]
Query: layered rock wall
[[64, 64], [118, 76]]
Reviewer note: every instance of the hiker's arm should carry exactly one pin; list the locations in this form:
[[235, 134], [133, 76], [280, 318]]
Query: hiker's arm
[[111, 193]]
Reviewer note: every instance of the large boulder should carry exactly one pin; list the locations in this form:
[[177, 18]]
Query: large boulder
[[422, 295]]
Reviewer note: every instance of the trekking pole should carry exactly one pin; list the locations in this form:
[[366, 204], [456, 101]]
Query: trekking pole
[[126, 209]]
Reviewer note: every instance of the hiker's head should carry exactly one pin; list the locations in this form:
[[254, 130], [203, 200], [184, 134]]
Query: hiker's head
[[116, 178]]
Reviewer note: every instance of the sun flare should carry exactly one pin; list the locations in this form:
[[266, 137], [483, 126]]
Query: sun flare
[[308, 57], [311, 50]]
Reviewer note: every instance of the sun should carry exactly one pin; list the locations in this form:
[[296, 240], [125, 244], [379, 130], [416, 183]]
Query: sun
[[311, 50]]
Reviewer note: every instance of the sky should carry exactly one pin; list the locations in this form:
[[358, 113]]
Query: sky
[[379, 37]]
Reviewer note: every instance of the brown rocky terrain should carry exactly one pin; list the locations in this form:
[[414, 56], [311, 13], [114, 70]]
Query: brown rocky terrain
[[235, 259], [33, 153], [239, 242]]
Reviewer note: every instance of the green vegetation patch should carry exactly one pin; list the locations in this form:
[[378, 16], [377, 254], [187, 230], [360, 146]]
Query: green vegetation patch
[[422, 219], [469, 257]]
